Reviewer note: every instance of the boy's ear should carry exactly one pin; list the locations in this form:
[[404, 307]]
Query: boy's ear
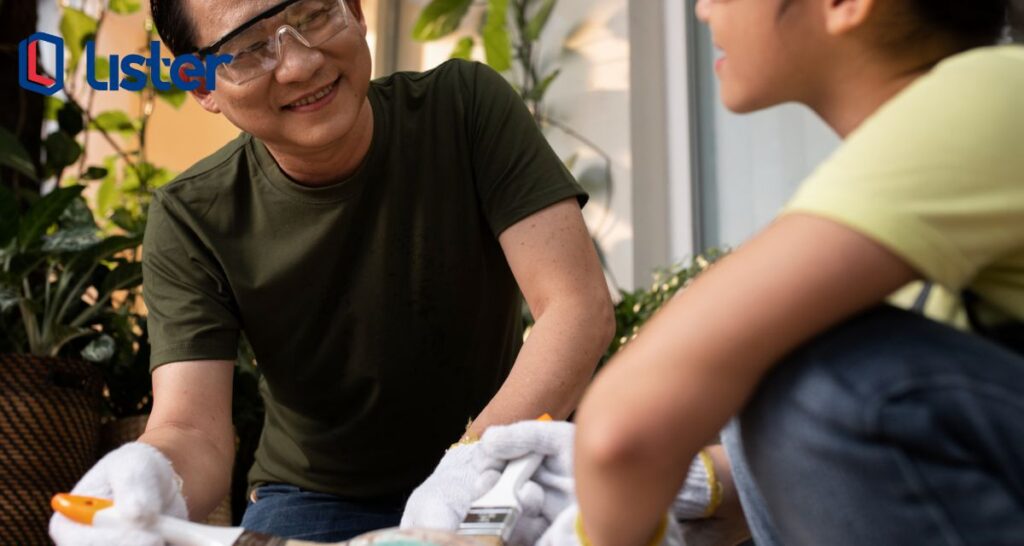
[[843, 16], [202, 95]]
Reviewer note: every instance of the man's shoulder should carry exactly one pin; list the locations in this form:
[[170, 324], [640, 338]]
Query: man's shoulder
[[453, 76], [212, 174]]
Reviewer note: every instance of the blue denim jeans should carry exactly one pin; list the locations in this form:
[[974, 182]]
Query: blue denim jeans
[[287, 511], [888, 429]]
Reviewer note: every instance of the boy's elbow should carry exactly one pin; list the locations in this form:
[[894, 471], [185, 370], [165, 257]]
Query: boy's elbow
[[606, 442]]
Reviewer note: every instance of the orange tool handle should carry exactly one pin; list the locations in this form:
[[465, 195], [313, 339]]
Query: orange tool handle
[[79, 508]]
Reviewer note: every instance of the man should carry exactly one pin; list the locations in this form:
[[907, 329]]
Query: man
[[371, 240]]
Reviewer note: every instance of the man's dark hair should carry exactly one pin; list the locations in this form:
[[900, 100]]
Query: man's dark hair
[[174, 23]]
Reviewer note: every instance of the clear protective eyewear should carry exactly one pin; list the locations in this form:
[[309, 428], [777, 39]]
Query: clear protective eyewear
[[256, 46]]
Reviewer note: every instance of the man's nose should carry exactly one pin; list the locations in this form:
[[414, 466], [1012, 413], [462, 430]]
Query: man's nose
[[297, 61]]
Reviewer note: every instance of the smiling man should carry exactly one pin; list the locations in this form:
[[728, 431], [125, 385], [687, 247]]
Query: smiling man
[[372, 240]]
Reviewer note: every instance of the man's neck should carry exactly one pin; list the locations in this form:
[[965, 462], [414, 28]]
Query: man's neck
[[332, 163]]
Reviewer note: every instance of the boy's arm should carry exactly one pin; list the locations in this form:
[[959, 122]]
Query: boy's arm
[[698, 361]]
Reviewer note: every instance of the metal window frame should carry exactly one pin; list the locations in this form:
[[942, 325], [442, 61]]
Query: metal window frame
[[664, 48]]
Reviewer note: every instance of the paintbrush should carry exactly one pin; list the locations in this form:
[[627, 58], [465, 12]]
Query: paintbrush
[[493, 516], [490, 521]]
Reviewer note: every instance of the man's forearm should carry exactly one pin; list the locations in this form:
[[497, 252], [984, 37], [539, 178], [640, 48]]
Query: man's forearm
[[554, 366], [203, 464]]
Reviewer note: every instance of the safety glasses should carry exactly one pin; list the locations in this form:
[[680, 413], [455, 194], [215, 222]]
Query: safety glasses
[[255, 47]]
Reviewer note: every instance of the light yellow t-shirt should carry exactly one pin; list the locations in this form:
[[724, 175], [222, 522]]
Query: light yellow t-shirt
[[937, 176]]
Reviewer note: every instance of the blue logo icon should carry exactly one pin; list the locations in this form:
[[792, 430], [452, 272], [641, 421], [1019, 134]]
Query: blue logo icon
[[30, 74]]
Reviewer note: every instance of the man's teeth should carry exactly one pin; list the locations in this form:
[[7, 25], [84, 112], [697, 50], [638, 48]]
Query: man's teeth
[[314, 97]]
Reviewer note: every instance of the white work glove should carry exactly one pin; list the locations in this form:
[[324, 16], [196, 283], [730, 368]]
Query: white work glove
[[551, 489], [443, 499], [142, 484], [698, 498], [468, 471], [566, 531], [701, 493]]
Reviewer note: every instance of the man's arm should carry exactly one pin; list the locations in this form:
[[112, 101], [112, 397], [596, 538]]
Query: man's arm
[[554, 262], [697, 362], [191, 425]]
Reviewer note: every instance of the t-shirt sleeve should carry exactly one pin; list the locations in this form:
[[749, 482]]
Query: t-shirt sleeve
[[517, 173], [935, 175], [191, 311]]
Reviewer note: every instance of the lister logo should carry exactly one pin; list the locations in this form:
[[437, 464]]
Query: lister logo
[[131, 72], [30, 74]]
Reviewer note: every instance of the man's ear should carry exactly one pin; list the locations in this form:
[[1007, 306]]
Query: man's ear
[[202, 95], [355, 7], [843, 16]]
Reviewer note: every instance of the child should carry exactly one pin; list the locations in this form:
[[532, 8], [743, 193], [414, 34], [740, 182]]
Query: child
[[861, 423]]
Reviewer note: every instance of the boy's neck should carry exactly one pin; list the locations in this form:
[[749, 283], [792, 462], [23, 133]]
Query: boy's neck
[[853, 94]]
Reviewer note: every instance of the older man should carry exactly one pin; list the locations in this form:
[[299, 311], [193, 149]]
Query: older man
[[371, 239]]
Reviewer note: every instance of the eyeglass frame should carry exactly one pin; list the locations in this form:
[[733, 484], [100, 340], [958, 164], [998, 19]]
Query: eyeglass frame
[[266, 14]]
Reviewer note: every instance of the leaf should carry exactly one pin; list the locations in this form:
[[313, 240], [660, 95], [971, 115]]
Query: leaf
[[77, 27], [63, 334], [143, 177], [77, 215], [70, 240], [51, 105], [539, 21], [124, 7], [9, 297], [538, 92], [44, 213], [173, 96], [115, 121], [124, 276], [463, 49], [14, 155], [440, 18], [160, 177], [100, 349], [8, 216], [107, 195], [61, 150], [94, 173], [104, 250], [70, 119], [125, 220], [497, 45], [102, 68]]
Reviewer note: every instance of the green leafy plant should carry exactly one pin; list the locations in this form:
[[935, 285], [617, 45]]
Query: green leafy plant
[[638, 306], [509, 32], [58, 274], [73, 271]]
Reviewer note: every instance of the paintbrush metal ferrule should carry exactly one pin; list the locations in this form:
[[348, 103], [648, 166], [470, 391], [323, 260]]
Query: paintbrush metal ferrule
[[496, 521], [496, 513]]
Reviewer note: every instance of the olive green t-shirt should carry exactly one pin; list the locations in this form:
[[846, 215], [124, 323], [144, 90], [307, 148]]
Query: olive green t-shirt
[[381, 310]]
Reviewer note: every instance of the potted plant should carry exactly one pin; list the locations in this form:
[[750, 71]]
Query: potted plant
[[57, 278]]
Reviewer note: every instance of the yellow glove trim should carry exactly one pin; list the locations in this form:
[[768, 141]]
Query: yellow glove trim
[[466, 438], [659, 535], [713, 484]]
